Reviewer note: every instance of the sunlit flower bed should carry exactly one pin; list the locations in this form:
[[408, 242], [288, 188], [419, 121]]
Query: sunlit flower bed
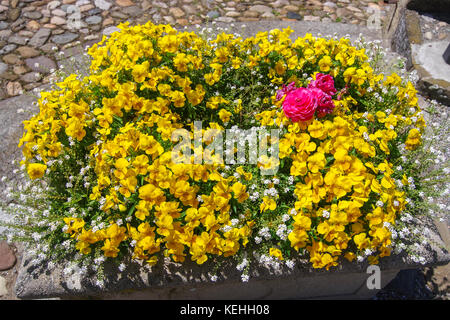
[[102, 148]]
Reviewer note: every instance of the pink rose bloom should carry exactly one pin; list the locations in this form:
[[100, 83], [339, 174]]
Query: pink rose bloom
[[325, 82], [325, 103], [300, 105], [285, 90]]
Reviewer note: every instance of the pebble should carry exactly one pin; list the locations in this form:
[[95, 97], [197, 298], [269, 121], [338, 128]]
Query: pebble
[[232, 14], [18, 40], [251, 14], [27, 52], [94, 12], [225, 19], [189, 9], [279, 3], [14, 14], [8, 48], [14, 88], [176, 12], [132, 11], [65, 38], [109, 30], [3, 25], [57, 20], [294, 15], [102, 4], [118, 15], [33, 25], [33, 15], [93, 20], [59, 13], [31, 77], [330, 4], [169, 19], [40, 37], [3, 290], [213, 14], [311, 18], [3, 67], [291, 8], [160, 4], [124, 3], [19, 70], [40, 64], [260, 8], [268, 15], [352, 8], [428, 35], [442, 36], [108, 21], [86, 7]]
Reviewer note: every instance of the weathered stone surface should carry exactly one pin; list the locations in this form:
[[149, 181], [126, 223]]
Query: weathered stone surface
[[18, 40], [20, 69], [213, 14], [132, 11], [8, 48], [13, 14], [294, 15], [118, 15], [40, 37], [176, 12], [3, 67], [107, 31], [12, 58], [14, 88], [433, 70], [3, 290], [41, 64], [31, 77], [33, 15], [260, 8], [7, 256], [65, 38], [93, 20], [124, 3], [168, 280], [4, 34], [33, 26], [57, 20], [413, 27], [102, 4], [27, 52]]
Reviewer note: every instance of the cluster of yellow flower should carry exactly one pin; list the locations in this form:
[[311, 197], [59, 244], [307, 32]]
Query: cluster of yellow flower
[[149, 80]]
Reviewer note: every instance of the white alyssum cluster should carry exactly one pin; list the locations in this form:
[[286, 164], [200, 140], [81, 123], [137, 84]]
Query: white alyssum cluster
[[282, 231]]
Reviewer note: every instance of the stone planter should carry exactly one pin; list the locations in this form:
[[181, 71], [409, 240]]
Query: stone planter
[[190, 281]]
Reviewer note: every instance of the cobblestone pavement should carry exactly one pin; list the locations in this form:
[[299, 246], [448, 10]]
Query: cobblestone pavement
[[33, 33]]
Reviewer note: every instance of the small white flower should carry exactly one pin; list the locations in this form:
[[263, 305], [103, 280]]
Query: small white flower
[[290, 264]]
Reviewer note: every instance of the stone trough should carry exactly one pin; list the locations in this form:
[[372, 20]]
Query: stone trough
[[167, 280]]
